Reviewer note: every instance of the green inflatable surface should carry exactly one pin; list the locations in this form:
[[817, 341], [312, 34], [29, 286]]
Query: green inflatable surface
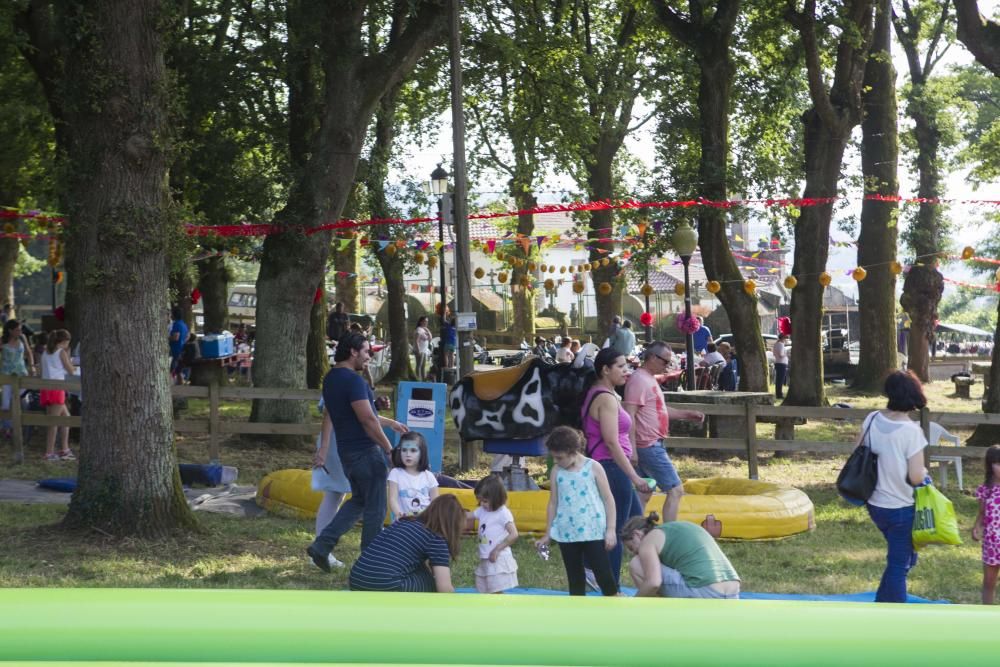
[[210, 628]]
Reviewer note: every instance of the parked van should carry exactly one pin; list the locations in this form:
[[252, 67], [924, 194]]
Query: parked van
[[242, 307]]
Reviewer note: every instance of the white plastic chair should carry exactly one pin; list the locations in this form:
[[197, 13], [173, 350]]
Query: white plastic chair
[[937, 434]]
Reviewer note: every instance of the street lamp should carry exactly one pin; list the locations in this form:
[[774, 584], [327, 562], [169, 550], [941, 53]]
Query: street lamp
[[439, 187], [685, 241], [646, 291]]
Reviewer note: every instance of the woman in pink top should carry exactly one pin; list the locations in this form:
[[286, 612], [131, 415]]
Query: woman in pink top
[[606, 426]]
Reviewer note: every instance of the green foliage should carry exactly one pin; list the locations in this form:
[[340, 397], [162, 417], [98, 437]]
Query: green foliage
[[969, 307]]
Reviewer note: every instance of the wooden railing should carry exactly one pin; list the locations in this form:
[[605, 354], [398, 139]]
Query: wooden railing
[[749, 444]]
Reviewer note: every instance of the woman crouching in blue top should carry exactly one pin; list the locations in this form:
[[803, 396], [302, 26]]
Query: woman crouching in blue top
[[398, 558]]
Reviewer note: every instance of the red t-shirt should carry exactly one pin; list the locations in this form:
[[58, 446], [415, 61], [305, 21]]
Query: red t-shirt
[[652, 421]]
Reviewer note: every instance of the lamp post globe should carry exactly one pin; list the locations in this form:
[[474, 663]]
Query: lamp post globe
[[685, 242]]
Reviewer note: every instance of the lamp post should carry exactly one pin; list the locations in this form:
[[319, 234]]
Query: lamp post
[[645, 290], [685, 241], [439, 187]]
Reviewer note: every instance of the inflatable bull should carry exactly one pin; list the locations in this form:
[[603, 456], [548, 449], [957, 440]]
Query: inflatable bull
[[521, 402]]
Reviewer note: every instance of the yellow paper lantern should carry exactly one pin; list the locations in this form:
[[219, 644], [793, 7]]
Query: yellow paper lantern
[[531, 266], [825, 279], [595, 265], [432, 261], [234, 250], [500, 256], [502, 277], [679, 289], [550, 284], [418, 258], [605, 261], [552, 268], [479, 273], [9, 228], [604, 289], [968, 252], [578, 287], [543, 268], [390, 250], [750, 286], [895, 268], [713, 286], [646, 290], [562, 269], [791, 282], [859, 274], [525, 281]]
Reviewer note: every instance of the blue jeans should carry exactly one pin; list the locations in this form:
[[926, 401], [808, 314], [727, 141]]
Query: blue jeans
[[897, 527], [627, 505], [780, 373], [367, 472]]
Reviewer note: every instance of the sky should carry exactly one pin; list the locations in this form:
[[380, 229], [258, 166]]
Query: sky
[[967, 220]]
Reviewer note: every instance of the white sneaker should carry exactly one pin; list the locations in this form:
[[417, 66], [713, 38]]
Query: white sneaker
[[332, 560], [588, 575]]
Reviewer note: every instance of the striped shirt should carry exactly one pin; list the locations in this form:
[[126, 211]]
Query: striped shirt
[[394, 561]]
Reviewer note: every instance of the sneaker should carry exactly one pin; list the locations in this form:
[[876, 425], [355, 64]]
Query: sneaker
[[591, 580], [332, 560], [68, 455], [51, 457], [318, 559]]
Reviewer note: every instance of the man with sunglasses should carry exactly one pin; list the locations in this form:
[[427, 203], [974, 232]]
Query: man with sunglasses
[[651, 424]]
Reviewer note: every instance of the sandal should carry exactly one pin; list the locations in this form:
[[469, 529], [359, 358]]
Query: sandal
[[67, 455]]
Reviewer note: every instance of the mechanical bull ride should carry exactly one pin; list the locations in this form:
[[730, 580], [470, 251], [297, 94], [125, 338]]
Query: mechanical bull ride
[[512, 409]]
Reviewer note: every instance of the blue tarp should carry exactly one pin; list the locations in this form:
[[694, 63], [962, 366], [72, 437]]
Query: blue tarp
[[847, 597]]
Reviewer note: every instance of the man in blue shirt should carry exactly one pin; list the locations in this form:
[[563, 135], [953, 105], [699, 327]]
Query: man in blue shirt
[[361, 444], [702, 337], [178, 337]]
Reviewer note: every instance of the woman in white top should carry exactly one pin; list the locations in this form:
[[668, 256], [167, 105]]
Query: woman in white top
[[780, 364], [421, 346], [899, 444], [56, 365]]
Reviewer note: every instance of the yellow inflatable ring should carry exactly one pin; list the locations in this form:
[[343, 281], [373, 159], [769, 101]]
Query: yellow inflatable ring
[[748, 509]]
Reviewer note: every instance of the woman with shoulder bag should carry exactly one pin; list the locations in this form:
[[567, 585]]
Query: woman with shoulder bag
[[899, 443]]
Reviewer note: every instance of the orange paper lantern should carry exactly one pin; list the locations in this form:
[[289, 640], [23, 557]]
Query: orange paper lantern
[[713, 286], [791, 282], [825, 279]]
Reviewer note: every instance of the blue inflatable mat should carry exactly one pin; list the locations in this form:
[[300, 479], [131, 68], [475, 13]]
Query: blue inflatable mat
[[847, 597]]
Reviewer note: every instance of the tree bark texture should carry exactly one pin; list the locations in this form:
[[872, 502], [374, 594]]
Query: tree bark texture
[[213, 283], [980, 36], [317, 362], [9, 249], [392, 263], [879, 229], [128, 482], [986, 435], [827, 129], [601, 222], [354, 79], [181, 286], [710, 38], [522, 298]]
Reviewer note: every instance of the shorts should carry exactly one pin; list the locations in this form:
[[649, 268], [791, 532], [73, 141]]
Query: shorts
[[674, 586], [498, 576], [449, 347], [52, 397], [655, 462]]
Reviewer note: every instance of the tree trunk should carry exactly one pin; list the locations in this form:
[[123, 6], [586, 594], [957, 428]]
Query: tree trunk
[[980, 36], [714, 100], [989, 434], [317, 362], [128, 481], [608, 305], [9, 249], [399, 331], [877, 242], [923, 285], [213, 283], [824, 149], [181, 286], [522, 298]]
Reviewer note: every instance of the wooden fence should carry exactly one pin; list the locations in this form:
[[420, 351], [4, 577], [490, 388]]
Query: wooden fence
[[749, 444]]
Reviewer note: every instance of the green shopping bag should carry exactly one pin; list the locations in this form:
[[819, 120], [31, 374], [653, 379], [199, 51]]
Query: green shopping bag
[[934, 521]]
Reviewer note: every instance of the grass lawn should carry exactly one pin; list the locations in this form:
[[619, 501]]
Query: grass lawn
[[844, 554]]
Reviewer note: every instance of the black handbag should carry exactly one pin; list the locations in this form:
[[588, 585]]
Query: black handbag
[[856, 481]]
